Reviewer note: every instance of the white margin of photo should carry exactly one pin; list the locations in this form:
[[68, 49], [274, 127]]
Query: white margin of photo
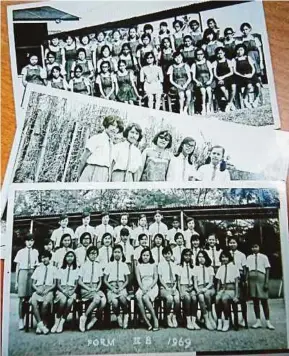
[[283, 225]]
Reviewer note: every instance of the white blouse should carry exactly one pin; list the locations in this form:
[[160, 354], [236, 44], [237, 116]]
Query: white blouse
[[27, 258], [68, 276], [126, 157], [180, 170], [186, 274], [116, 271], [208, 173], [227, 273], [258, 262]]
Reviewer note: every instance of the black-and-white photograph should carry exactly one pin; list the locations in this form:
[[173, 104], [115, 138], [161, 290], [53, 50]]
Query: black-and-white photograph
[[129, 271], [209, 58]]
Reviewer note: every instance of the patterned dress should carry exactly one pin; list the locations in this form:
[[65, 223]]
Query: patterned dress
[[156, 165]]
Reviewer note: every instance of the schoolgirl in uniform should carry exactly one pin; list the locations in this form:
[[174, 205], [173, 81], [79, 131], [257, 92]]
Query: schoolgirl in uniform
[[79, 84], [69, 55], [128, 251], [195, 247], [86, 65], [147, 278], [129, 58], [212, 25], [133, 40], [210, 44], [146, 47], [172, 232], [188, 50], [48, 245], [169, 275], [180, 79], [26, 260], [143, 242], [63, 229], [178, 35], [164, 32], [101, 42], [95, 163], [182, 166], [190, 231], [106, 82], [86, 44], [158, 227], [140, 229], [81, 251], [57, 80], [33, 72], [213, 251], [67, 281], [156, 159], [127, 157], [43, 284], [103, 228], [239, 260], [166, 59], [187, 291], [126, 91], [246, 77], [224, 73], [116, 44], [178, 249], [105, 251], [90, 281], [158, 244], [227, 278], [55, 48], [64, 246], [258, 268], [51, 63], [229, 43], [85, 227], [124, 219], [203, 78], [214, 168], [105, 56], [203, 276], [195, 32], [116, 277], [152, 78]]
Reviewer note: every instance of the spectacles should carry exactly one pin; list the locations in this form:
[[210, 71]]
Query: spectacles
[[164, 138], [189, 144], [78, 71]]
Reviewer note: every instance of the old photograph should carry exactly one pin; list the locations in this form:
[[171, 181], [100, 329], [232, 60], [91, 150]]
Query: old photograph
[[146, 270], [209, 58]]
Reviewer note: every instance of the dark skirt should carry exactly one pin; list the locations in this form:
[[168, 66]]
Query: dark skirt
[[25, 283]]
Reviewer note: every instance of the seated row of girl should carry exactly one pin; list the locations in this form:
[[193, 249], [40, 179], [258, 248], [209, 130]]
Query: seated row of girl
[[177, 75], [187, 283]]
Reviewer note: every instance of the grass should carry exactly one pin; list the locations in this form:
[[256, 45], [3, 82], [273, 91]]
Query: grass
[[72, 342]]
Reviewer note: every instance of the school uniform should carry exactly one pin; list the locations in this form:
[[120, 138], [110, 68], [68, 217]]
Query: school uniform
[[116, 232], [186, 279], [81, 230], [158, 228], [68, 278], [188, 235], [34, 74], [157, 254], [91, 272], [98, 164], [137, 252], [81, 257], [214, 255], [168, 271], [171, 235], [102, 229], [257, 265], [239, 260], [127, 162], [195, 252], [177, 254], [202, 276], [59, 256], [138, 231], [104, 255], [227, 275], [116, 272], [181, 170], [58, 233], [209, 173], [27, 258], [44, 277], [128, 251], [146, 272]]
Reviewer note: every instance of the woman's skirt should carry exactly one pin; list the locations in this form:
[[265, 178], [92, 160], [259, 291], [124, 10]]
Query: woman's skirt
[[152, 293], [111, 295], [88, 295], [94, 173], [48, 298], [25, 283], [60, 297], [185, 293], [153, 88], [121, 176], [126, 93], [256, 285]]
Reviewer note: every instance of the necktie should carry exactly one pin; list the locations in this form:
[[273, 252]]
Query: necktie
[[214, 172], [109, 156], [29, 258], [107, 253], [159, 255], [204, 276], [92, 273], [117, 272], [233, 254], [105, 229], [85, 253], [180, 253], [45, 275], [225, 276], [188, 274], [128, 162], [158, 228], [256, 262], [184, 169], [68, 275], [214, 260], [171, 273], [124, 249]]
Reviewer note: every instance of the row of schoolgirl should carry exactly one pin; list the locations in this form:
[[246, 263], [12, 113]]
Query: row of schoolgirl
[[186, 283], [103, 160], [211, 69]]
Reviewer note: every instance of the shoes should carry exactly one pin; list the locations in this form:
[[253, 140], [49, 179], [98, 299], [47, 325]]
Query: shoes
[[169, 321], [21, 324], [91, 323], [82, 321], [60, 326], [190, 325], [43, 328], [242, 323], [55, 326], [38, 330], [269, 325], [125, 321], [174, 321], [257, 325], [226, 325], [212, 321], [207, 323], [119, 320], [220, 325]]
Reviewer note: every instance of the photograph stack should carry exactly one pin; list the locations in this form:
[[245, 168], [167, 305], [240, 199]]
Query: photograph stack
[[144, 204]]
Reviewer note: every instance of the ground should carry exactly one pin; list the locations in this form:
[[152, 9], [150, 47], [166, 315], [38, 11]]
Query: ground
[[165, 340]]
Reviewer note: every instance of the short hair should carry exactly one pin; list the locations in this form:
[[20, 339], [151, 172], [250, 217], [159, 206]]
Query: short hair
[[179, 234], [189, 219], [107, 63], [141, 236], [144, 35], [194, 22], [104, 47], [67, 36], [232, 237], [180, 149], [195, 237], [55, 68], [178, 53], [245, 24], [63, 237], [177, 22], [148, 26], [105, 235], [147, 54], [146, 249], [199, 50], [50, 53], [241, 45], [188, 37], [78, 68], [64, 262], [84, 235], [161, 236], [121, 61], [110, 120], [164, 23], [158, 212], [85, 214], [185, 251], [63, 216], [227, 29], [91, 249], [209, 31], [117, 247], [124, 232], [211, 20], [45, 253], [167, 249], [29, 237], [115, 30], [82, 37], [208, 261], [175, 218], [164, 133], [218, 49], [130, 127], [80, 50], [226, 253], [47, 242], [142, 216], [106, 124], [223, 164]]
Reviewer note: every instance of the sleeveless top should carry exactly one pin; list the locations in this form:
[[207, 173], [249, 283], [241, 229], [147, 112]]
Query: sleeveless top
[[79, 87], [230, 49], [196, 37], [243, 66], [134, 46], [189, 56], [70, 54], [146, 271], [128, 60], [116, 49], [202, 72], [178, 41], [222, 68], [166, 60], [155, 168], [58, 54], [57, 85], [123, 80], [84, 66], [180, 75], [33, 75], [210, 51]]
